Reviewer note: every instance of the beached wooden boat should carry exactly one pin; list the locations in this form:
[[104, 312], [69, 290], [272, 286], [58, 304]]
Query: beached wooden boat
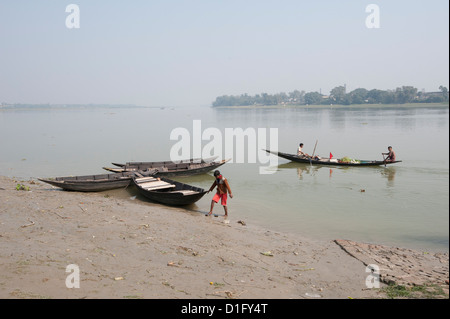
[[328, 161], [91, 183], [164, 163], [169, 169], [166, 191]]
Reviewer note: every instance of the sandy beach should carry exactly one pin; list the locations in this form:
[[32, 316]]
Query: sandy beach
[[127, 247]]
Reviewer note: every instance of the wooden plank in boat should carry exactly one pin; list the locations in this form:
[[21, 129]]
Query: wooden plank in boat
[[145, 179], [159, 187], [153, 184]]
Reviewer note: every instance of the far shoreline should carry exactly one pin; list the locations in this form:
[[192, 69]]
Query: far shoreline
[[338, 106]]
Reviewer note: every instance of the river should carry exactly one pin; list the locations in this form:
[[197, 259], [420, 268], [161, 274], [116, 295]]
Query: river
[[404, 204]]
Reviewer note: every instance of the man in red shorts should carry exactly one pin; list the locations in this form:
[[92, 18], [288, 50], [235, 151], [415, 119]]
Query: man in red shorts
[[223, 188]]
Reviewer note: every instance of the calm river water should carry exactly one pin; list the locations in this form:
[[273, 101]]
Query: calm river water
[[405, 204]]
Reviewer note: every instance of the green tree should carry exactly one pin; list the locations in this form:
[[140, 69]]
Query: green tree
[[444, 91], [338, 94], [358, 96], [297, 97], [313, 98], [375, 96], [405, 94], [281, 98]]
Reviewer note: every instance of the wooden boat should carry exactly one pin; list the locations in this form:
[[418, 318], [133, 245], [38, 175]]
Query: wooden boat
[[328, 161], [161, 164], [166, 191], [91, 183], [169, 169]]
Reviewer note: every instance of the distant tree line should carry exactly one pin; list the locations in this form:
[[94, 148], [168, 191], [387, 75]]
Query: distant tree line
[[338, 95]]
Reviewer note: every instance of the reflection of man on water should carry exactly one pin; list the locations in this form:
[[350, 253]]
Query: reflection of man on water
[[389, 173], [299, 173]]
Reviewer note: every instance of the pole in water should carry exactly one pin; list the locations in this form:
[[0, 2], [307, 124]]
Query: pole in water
[[315, 148], [314, 151]]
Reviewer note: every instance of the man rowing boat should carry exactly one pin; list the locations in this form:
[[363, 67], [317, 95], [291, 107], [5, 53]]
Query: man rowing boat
[[390, 155], [300, 151], [305, 155]]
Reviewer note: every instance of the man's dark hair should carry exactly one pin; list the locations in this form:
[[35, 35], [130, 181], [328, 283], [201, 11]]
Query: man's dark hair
[[216, 173]]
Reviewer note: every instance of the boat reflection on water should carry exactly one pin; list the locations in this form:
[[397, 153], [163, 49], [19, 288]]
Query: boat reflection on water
[[311, 170], [302, 169]]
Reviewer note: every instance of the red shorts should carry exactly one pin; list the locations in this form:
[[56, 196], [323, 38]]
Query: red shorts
[[222, 197]]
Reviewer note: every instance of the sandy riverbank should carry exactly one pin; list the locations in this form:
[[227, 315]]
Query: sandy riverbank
[[128, 248]]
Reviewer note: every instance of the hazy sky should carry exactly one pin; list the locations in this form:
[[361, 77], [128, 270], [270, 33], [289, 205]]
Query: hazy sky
[[179, 53]]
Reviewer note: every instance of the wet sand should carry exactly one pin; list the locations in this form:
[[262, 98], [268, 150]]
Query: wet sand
[[132, 248]]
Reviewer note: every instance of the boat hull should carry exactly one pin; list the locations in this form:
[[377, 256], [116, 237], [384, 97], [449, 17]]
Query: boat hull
[[298, 159], [165, 163], [170, 170], [91, 183], [172, 197]]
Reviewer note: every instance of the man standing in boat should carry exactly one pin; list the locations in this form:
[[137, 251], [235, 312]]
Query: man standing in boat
[[390, 155], [223, 188]]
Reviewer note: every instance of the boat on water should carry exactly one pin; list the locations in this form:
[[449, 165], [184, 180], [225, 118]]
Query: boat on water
[[328, 161], [166, 191], [91, 183], [168, 169]]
